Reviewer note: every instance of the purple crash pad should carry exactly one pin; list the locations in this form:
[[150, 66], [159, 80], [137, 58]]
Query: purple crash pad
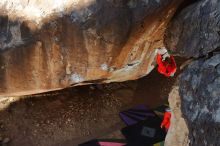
[[136, 114]]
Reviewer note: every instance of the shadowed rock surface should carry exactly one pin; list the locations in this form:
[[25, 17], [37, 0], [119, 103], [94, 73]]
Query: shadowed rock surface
[[195, 105], [194, 32], [199, 89], [88, 42]]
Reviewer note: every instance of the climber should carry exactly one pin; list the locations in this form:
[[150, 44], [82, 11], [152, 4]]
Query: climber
[[166, 119], [166, 63]]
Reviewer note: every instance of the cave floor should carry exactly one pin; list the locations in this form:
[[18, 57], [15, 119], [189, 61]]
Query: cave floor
[[78, 114]]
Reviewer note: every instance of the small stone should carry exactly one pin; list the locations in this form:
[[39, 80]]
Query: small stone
[[104, 67], [6, 140], [202, 131], [194, 133], [92, 87]]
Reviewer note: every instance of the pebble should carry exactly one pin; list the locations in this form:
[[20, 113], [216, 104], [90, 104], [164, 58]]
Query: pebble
[[92, 87], [1, 126], [6, 140]]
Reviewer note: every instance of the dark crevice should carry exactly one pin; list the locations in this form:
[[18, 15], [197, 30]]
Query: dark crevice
[[184, 4], [210, 54]]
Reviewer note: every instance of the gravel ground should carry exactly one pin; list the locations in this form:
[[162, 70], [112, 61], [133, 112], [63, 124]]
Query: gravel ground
[[65, 118]]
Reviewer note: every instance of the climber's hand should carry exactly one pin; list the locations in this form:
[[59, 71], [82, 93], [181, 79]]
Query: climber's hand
[[166, 55]]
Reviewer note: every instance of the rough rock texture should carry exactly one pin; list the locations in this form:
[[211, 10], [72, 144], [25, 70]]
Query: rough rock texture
[[64, 118], [178, 132], [199, 89], [75, 115], [49, 45], [194, 32]]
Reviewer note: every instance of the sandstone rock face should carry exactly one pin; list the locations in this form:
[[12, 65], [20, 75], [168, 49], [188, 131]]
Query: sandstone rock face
[[178, 132], [49, 45], [200, 103], [195, 31]]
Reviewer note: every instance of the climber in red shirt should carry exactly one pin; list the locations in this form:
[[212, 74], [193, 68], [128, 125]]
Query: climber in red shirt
[[166, 66], [166, 119]]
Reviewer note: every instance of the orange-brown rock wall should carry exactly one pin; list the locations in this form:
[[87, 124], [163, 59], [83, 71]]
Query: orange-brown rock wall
[[97, 42]]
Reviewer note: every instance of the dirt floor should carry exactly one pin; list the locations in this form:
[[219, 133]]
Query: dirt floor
[[76, 115]]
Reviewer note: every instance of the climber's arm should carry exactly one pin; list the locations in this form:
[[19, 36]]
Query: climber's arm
[[163, 123], [166, 120], [159, 60]]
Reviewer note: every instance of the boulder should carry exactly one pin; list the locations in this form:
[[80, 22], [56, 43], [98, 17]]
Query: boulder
[[196, 101], [53, 44], [194, 31], [199, 89]]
